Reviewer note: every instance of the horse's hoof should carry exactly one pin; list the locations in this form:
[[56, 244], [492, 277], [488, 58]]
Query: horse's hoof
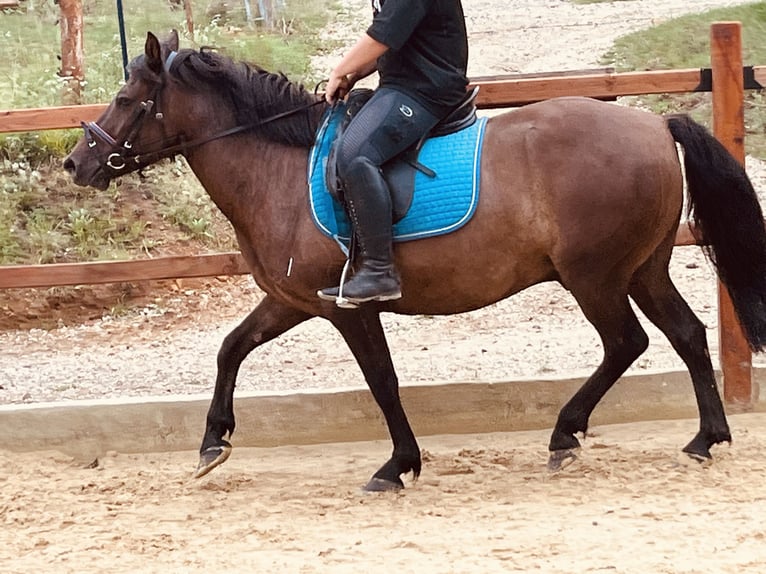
[[560, 459], [382, 485], [210, 458], [702, 460]]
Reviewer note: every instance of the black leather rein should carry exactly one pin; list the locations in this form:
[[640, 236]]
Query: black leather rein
[[117, 161]]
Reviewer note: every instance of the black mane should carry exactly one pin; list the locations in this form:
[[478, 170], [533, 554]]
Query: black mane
[[254, 93]]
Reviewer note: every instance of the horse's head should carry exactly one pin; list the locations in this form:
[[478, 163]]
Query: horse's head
[[176, 101], [136, 129]]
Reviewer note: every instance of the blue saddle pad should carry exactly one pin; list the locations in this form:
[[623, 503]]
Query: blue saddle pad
[[440, 204]]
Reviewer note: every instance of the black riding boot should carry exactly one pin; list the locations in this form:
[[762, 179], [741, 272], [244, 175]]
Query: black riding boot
[[369, 202]]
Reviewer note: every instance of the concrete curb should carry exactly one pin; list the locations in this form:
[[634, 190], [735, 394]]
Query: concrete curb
[[87, 429]]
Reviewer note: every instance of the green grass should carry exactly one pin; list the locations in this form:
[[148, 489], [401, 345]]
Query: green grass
[[595, 1], [43, 217], [685, 43], [32, 43]]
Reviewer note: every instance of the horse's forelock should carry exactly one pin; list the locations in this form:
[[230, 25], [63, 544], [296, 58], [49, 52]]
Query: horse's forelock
[[136, 66]]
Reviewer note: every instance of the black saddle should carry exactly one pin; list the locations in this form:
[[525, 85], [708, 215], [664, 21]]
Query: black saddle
[[399, 172]]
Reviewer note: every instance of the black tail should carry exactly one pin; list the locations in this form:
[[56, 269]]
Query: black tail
[[726, 211]]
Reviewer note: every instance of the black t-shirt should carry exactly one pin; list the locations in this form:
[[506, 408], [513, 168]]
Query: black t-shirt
[[428, 55]]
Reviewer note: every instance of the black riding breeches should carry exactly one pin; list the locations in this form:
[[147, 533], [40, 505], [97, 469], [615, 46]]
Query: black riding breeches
[[387, 125]]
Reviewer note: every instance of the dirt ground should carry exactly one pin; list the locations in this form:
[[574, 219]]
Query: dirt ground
[[484, 503]]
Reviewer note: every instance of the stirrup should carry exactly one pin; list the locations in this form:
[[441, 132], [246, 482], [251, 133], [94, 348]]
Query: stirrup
[[340, 300]]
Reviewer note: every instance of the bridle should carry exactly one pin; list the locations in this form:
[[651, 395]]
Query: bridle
[[121, 155], [122, 158]]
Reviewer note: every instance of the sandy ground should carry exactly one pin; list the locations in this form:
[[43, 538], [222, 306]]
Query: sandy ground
[[484, 504]]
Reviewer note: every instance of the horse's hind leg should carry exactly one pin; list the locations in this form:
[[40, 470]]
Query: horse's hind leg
[[654, 293], [364, 335], [267, 321], [623, 338]]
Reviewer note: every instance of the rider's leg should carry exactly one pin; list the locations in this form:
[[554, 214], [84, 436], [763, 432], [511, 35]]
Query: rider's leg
[[369, 203], [387, 125]]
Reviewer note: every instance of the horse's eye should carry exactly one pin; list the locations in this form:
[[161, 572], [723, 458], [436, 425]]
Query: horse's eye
[[122, 101]]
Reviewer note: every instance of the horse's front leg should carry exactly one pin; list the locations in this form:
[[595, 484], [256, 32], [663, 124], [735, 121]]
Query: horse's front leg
[[267, 321], [364, 335]]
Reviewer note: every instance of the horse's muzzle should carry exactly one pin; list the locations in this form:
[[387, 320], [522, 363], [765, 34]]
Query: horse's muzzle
[[84, 177]]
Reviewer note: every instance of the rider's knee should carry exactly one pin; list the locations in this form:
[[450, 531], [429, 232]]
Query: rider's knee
[[356, 168]]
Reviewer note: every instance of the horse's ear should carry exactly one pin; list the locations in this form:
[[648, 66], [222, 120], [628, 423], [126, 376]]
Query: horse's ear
[[153, 52]]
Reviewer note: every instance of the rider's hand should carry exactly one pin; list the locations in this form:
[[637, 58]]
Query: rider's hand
[[337, 88]]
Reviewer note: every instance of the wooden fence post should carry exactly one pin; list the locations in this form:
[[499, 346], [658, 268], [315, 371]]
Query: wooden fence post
[[729, 128], [267, 10], [71, 49], [189, 18]]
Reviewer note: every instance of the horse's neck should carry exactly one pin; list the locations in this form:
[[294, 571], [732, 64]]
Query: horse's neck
[[261, 189], [246, 175]]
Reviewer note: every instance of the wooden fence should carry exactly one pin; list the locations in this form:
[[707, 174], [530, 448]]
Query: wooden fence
[[726, 79]]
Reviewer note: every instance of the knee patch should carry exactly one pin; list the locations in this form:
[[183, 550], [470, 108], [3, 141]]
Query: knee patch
[[360, 168]]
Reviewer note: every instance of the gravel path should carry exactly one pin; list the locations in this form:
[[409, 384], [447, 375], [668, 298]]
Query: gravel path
[[170, 346], [534, 35]]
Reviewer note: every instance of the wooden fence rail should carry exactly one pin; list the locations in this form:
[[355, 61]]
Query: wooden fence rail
[[95, 272], [496, 92], [176, 267], [727, 79]]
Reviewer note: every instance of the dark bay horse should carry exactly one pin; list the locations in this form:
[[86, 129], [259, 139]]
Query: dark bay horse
[[585, 193]]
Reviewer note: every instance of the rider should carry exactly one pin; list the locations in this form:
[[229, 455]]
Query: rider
[[420, 50]]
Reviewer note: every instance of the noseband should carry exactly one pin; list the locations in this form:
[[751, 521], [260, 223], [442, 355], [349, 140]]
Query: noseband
[[122, 158]]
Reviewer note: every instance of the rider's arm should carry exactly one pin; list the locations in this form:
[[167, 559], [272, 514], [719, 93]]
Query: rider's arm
[[359, 62]]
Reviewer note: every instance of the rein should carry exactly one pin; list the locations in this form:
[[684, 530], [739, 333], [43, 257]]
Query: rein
[[117, 160], [173, 149]]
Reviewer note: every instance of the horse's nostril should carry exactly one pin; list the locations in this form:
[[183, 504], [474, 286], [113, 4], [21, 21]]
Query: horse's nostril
[[69, 165]]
